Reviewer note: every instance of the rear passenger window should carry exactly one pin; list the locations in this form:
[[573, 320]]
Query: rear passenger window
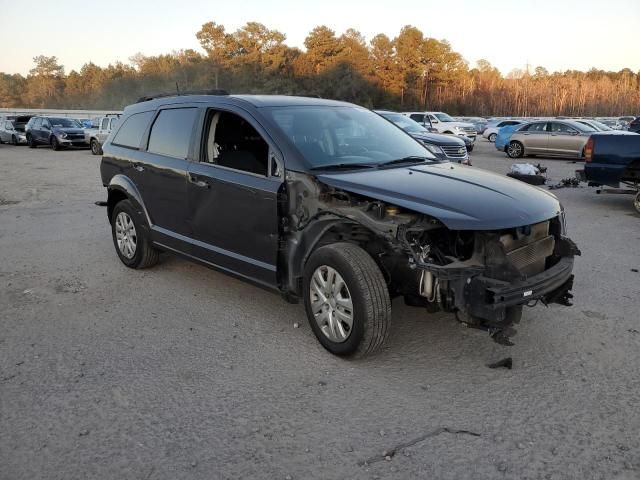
[[130, 134], [233, 142], [171, 132]]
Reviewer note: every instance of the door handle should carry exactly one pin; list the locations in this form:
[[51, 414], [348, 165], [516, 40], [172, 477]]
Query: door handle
[[138, 167], [198, 183]]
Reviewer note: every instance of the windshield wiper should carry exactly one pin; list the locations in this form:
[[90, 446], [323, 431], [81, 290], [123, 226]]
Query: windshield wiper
[[342, 166], [409, 159]]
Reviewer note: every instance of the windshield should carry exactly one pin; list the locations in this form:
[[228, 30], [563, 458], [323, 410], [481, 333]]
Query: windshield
[[600, 126], [443, 117], [583, 127], [405, 123], [64, 123], [326, 135]]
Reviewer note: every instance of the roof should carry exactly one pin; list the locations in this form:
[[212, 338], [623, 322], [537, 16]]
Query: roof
[[256, 101]]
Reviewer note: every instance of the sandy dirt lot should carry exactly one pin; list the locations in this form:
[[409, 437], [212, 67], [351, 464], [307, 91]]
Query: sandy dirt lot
[[182, 372]]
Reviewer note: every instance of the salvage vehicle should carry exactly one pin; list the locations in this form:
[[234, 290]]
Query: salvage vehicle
[[98, 133], [58, 132], [443, 147], [12, 131], [611, 161], [329, 203]]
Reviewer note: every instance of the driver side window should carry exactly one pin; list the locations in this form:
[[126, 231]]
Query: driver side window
[[233, 142]]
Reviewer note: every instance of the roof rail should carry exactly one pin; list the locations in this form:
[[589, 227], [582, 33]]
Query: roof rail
[[215, 91]]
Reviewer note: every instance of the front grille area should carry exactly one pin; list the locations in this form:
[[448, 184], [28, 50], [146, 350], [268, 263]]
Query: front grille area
[[454, 151], [525, 256], [470, 130], [75, 136]]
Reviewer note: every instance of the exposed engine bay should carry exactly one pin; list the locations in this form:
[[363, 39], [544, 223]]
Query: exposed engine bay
[[484, 277]]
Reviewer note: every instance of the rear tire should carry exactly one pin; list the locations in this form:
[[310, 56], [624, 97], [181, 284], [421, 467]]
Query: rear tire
[[130, 237], [492, 137], [356, 278], [515, 150], [95, 147]]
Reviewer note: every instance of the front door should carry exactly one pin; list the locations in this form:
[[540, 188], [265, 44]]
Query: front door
[[535, 137], [233, 196]]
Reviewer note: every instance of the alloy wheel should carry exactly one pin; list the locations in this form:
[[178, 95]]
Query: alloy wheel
[[126, 235], [514, 150], [331, 304]]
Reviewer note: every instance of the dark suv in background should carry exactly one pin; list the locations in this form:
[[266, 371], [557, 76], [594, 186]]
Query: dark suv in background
[[58, 132], [330, 203]]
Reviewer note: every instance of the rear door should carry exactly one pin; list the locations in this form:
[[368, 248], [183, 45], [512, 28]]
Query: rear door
[[233, 195], [535, 137]]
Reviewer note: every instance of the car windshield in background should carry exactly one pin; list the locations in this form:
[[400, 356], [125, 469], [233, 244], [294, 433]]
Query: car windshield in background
[[405, 123], [64, 123], [443, 117], [582, 127], [355, 137]]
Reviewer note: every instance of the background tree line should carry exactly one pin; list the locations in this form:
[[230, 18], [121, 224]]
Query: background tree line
[[407, 72]]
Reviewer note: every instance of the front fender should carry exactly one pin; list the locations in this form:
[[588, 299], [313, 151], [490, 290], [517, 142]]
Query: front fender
[[121, 187]]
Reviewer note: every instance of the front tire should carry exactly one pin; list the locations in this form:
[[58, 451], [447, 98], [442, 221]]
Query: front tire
[[636, 202], [515, 150], [14, 141], [31, 142], [492, 137], [95, 147], [55, 145], [346, 300], [131, 240]]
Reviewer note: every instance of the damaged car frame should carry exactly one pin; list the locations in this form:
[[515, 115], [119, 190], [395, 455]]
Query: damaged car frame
[[327, 202]]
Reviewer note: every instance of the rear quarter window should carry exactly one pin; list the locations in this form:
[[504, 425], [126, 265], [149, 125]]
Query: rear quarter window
[[130, 134]]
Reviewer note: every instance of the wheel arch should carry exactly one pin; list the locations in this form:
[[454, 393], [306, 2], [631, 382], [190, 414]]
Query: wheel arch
[[121, 188], [321, 232]]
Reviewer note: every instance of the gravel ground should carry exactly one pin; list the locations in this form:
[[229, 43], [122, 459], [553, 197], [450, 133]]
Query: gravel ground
[[183, 372]]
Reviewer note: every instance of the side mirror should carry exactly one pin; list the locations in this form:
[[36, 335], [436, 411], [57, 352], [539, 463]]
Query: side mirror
[[46, 127], [573, 132], [435, 121], [433, 130]]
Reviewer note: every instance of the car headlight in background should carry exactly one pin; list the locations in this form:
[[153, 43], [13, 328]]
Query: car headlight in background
[[434, 148], [460, 129], [62, 135]]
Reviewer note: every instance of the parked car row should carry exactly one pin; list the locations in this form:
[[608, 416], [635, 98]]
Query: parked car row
[[57, 132], [566, 138]]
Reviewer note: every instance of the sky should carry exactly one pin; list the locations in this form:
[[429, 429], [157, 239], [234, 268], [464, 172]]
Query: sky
[[559, 35]]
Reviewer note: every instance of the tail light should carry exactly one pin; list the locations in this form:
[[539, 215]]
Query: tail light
[[588, 150]]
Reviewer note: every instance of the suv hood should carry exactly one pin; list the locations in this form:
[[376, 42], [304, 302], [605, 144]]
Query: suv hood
[[461, 197], [69, 130], [438, 139]]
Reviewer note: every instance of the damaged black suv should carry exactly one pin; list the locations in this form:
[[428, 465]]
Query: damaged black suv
[[328, 202]]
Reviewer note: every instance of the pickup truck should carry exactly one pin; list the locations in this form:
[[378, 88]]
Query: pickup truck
[[611, 160], [100, 130], [443, 123]]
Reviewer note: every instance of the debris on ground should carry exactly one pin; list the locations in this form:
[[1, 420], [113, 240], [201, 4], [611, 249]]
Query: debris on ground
[[504, 363], [525, 172], [571, 182], [390, 453]]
